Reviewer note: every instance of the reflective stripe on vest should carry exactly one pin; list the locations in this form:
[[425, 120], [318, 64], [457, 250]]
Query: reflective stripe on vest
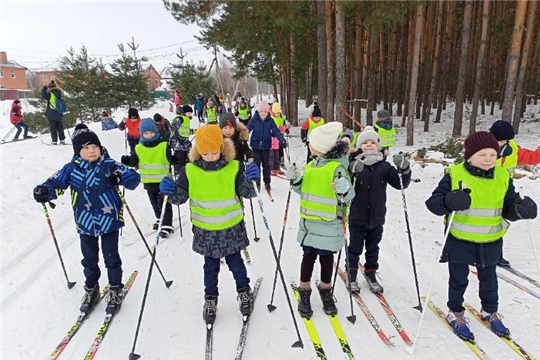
[[483, 221], [313, 125], [510, 162], [153, 162], [319, 202], [213, 201], [184, 129], [243, 113], [388, 137], [211, 113]]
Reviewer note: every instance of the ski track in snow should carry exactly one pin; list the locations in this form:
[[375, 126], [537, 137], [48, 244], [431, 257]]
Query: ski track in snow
[[38, 309]]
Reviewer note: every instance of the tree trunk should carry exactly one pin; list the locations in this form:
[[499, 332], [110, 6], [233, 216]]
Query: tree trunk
[[371, 77], [414, 72], [330, 56], [410, 55], [321, 55], [357, 93], [341, 80], [309, 84], [480, 65], [513, 60], [462, 72], [436, 62]]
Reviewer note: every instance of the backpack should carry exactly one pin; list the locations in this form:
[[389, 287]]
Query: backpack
[[59, 105]]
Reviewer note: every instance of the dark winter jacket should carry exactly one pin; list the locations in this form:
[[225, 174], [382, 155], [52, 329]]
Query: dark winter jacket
[[368, 208], [164, 129], [177, 142], [199, 103], [51, 114], [262, 132], [240, 139], [218, 243], [467, 252], [97, 207]]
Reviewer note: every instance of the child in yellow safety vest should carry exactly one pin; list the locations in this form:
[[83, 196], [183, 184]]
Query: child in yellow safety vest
[[283, 126], [324, 190], [153, 157], [476, 198], [385, 128], [214, 182], [211, 112], [180, 132], [315, 120]]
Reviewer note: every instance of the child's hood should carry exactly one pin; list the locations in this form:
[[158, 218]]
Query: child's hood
[[242, 131], [385, 124], [228, 154], [338, 152]]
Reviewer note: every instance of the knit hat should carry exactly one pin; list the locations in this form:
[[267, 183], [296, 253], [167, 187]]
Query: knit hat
[[105, 114], [148, 124], [323, 138], [157, 117], [187, 108], [383, 114], [17, 101], [369, 134], [209, 138], [263, 106], [316, 112], [502, 130], [83, 136], [133, 112], [478, 141], [227, 119], [276, 108], [52, 84]]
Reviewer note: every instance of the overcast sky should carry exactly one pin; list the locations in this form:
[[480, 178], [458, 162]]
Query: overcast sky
[[37, 33]]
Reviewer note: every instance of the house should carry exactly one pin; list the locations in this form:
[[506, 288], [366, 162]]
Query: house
[[153, 79], [12, 75], [44, 77]]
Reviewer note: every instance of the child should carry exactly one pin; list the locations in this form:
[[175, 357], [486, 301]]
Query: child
[[199, 106], [164, 127], [132, 125], [16, 118], [107, 122], [243, 112], [215, 183], [180, 130], [279, 119], [177, 98], [315, 120], [385, 129], [371, 174], [263, 129], [238, 133], [482, 197], [97, 208], [211, 112], [152, 156], [324, 188]]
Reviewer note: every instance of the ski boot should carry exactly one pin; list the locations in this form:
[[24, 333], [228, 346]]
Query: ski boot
[[329, 305], [496, 324], [166, 231], [115, 296], [245, 301], [371, 278], [460, 324], [304, 304], [274, 173], [210, 309], [62, 142], [353, 282], [90, 299], [156, 225]]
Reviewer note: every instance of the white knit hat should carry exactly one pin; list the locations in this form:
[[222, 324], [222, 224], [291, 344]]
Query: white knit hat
[[323, 138], [369, 134]]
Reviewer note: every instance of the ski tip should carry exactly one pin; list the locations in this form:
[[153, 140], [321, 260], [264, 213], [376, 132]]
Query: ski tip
[[71, 284], [271, 307], [298, 344], [134, 356]]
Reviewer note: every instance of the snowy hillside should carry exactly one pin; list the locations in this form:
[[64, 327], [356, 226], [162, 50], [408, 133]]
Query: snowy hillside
[[38, 309]]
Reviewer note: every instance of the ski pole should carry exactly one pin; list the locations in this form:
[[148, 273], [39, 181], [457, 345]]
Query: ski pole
[[270, 306], [352, 317], [180, 222], [133, 355], [167, 283], [335, 274], [299, 342], [256, 238], [70, 284], [9, 132]]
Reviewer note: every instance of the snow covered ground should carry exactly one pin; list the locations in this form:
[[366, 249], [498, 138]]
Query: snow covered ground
[[37, 308]]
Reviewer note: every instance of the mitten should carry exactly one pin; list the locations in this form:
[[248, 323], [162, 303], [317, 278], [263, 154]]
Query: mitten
[[252, 172], [41, 194], [341, 185], [114, 178], [125, 160], [402, 163], [167, 186], [356, 166], [292, 173], [527, 208], [284, 144], [458, 200]]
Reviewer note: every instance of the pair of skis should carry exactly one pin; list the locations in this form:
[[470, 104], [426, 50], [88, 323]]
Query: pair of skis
[[243, 332], [80, 321]]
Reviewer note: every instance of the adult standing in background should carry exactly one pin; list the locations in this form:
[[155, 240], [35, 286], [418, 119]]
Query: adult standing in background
[[51, 93], [199, 106]]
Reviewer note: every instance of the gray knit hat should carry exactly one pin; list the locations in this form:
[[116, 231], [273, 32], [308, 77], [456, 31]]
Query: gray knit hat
[[369, 134]]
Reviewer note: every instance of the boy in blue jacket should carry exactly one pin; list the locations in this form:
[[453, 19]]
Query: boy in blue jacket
[[97, 208]]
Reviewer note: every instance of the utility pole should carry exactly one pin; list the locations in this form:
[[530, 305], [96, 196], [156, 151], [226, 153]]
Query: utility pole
[[217, 69]]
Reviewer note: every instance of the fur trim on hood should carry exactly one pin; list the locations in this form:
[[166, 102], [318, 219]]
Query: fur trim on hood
[[337, 151], [228, 154], [242, 130]]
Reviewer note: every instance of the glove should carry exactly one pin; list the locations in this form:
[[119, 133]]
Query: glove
[[458, 200], [284, 144], [167, 186], [114, 178], [527, 208], [41, 194], [125, 159], [174, 160], [292, 173], [401, 163], [356, 166], [252, 172], [341, 185]]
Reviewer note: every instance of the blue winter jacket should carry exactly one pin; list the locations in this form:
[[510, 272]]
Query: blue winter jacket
[[199, 103], [262, 132], [97, 208]]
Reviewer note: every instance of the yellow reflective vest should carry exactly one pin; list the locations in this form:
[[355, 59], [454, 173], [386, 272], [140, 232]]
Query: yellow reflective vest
[[211, 113], [483, 221], [319, 202], [510, 162], [243, 113], [153, 162], [388, 137], [313, 125], [279, 120], [185, 128], [213, 201]]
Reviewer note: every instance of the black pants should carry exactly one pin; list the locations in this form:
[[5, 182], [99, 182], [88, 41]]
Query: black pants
[[263, 157], [20, 126], [156, 199], [57, 130], [211, 272], [371, 238], [132, 142], [90, 252], [308, 158], [182, 161], [488, 289], [326, 259], [200, 116]]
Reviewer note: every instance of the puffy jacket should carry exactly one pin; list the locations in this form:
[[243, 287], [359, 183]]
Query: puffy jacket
[[240, 139], [51, 114], [15, 115], [132, 127], [262, 132], [528, 157]]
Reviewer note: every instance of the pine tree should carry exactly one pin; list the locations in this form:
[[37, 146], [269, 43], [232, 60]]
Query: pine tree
[[191, 80]]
